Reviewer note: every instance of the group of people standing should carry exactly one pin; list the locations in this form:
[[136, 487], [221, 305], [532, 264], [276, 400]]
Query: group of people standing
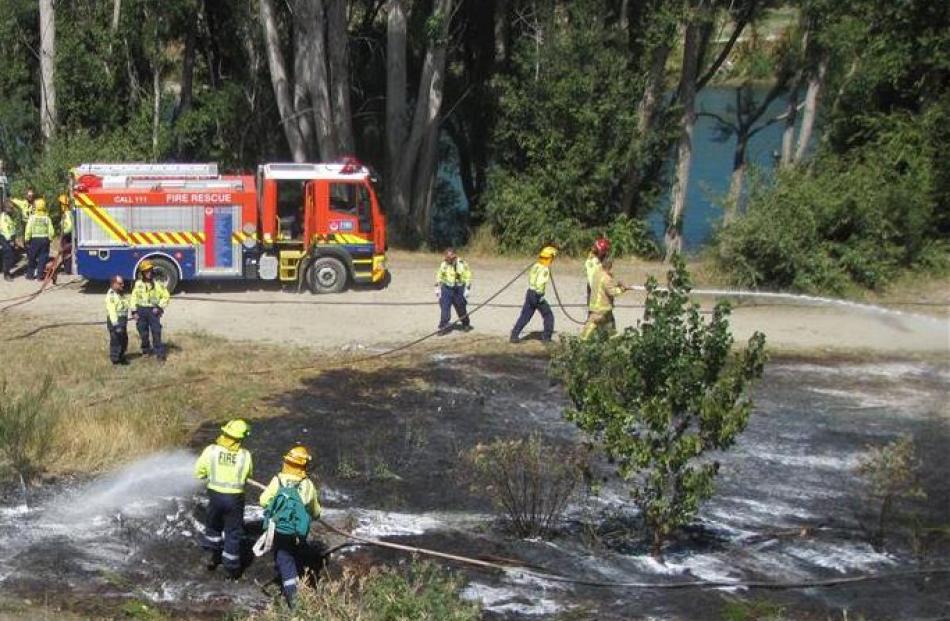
[[454, 282], [146, 305], [227, 467], [26, 223]]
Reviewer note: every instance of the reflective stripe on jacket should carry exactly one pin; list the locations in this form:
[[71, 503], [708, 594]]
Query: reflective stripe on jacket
[[117, 306], [149, 295], [7, 226], [306, 489], [603, 292], [67, 223], [225, 470], [38, 226], [591, 267], [453, 275], [538, 278]]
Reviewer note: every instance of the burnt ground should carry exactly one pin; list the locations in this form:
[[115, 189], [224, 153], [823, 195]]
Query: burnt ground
[[788, 506]]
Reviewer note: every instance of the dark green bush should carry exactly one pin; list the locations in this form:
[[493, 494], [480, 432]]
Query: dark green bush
[[844, 221]]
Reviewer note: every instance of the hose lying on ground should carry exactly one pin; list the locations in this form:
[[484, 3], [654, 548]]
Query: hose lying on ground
[[553, 577]]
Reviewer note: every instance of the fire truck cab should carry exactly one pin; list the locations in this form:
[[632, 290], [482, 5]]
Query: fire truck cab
[[318, 224]]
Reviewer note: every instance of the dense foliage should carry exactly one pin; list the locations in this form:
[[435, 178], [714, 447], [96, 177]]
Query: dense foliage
[[662, 398], [855, 218]]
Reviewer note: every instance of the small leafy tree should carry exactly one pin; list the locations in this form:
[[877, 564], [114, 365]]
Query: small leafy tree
[[26, 422], [891, 475], [661, 397], [527, 479]]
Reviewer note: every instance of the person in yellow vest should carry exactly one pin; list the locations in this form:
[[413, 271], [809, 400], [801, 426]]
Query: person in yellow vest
[[600, 309], [66, 234], [37, 235], [117, 318], [7, 239], [148, 303], [538, 277], [288, 548], [227, 466], [598, 252], [453, 282]]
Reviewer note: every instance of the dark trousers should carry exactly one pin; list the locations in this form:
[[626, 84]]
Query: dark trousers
[[452, 296], [149, 324], [37, 254], [287, 562], [6, 254], [66, 252], [118, 339], [533, 301], [224, 529]]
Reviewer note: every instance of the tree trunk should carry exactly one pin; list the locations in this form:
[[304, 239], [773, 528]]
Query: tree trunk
[[423, 185], [340, 74], [413, 171], [315, 15], [278, 76], [187, 72], [739, 165], [395, 105], [116, 15], [49, 119], [502, 32], [303, 74], [788, 134], [156, 106], [691, 53], [815, 84], [646, 113]]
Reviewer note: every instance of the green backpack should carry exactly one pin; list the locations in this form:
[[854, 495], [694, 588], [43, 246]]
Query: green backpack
[[288, 512]]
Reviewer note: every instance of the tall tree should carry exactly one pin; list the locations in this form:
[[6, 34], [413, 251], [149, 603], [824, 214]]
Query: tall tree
[[280, 82], [412, 160], [49, 118], [339, 59]]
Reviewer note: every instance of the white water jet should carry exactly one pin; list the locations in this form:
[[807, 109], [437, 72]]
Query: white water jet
[[815, 300], [134, 488]]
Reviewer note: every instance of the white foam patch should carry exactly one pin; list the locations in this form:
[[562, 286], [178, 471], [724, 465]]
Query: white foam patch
[[819, 462], [371, 523], [506, 600], [842, 557], [756, 511]]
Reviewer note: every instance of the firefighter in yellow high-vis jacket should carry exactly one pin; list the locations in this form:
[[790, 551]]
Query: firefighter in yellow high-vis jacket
[[226, 465]]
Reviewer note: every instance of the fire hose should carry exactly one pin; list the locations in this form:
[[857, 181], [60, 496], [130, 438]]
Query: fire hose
[[524, 569]]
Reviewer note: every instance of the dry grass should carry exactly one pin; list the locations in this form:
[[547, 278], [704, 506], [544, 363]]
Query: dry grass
[[108, 414]]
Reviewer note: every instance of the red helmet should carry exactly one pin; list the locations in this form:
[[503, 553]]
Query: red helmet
[[601, 246]]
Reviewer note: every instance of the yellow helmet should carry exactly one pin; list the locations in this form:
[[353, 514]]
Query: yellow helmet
[[40, 205], [237, 429], [548, 252], [298, 456], [146, 265]]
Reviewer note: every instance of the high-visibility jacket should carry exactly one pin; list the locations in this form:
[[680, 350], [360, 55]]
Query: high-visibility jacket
[[67, 223], [149, 295], [117, 306], [306, 489], [226, 469], [591, 267], [538, 277], [39, 226], [603, 292], [7, 226], [453, 275]]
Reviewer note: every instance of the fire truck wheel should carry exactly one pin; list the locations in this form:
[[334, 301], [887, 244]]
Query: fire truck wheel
[[166, 272], [326, 275]]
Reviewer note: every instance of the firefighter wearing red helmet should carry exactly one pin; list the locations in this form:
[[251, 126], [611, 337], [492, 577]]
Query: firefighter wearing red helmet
[[598, 252]]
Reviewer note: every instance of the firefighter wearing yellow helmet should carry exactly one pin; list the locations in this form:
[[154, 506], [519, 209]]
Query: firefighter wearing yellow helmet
[[290, 501], [37, 235], [538, 277], [148, 302], [226, 466]]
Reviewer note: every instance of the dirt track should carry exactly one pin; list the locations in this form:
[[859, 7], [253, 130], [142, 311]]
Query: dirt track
[[352, 318]]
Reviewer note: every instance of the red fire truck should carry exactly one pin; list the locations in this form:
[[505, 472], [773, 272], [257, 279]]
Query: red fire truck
[[319, 224]]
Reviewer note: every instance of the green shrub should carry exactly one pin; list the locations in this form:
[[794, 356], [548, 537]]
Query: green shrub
[[661, 397], [423, 592], [530, 481], [843, 222], [27, 421], [891, 477]]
